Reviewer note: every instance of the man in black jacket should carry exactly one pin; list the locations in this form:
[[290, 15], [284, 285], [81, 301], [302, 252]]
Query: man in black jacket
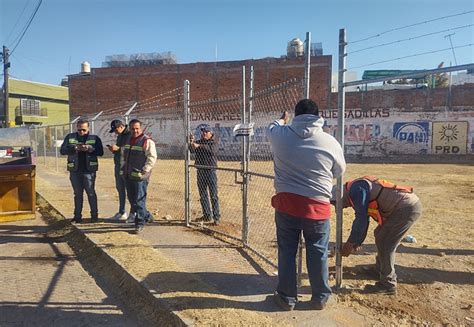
[[82, 150], [119, 127], [206, 158]]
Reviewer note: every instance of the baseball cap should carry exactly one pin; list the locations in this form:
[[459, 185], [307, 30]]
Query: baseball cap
[[206, 129], [115, 123]]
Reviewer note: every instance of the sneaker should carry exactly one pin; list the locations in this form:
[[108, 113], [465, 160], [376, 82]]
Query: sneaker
[[380, 288], [76, 220], [131, 218], [204, 219], [217, 222], [94, 219], [119, 216], [139, 229], [282, 303]]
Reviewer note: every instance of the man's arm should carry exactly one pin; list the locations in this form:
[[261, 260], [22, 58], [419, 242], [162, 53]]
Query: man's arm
[[360, 195], [96, 150], [67, 148], [339, 165], [151, 156]]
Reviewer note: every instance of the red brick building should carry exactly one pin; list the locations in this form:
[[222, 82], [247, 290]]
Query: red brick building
[[105, 88]]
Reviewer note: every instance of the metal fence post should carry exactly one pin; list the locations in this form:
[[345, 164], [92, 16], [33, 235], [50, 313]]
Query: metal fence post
[[56, 147], [340, 137], [307, 73], [71, 124], [187, 192], [244, 164], [93, 122], [127, 114], [44, 145]]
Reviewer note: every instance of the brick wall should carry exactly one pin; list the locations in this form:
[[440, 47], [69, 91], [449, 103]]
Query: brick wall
[[106, 88], [411, 100]]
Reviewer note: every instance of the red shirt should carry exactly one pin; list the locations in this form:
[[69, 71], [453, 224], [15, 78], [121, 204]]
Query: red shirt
[[301, 206]]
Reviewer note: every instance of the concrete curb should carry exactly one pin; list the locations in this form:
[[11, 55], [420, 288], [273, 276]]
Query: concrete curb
[[147, 304]]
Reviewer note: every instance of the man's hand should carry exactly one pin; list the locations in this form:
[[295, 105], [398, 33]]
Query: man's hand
[[285, 117], [349, 248], [113, 148]]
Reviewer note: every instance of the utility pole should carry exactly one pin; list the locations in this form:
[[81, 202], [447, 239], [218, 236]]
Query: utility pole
[[6, 68], [452, 48]]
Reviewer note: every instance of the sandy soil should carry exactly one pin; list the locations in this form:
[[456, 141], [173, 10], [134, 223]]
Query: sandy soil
[[435, 274]]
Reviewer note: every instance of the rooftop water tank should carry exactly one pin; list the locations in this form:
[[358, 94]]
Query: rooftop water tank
[[85, 67], [295, 48]]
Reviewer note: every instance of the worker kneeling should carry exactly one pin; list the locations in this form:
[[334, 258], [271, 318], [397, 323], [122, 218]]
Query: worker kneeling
[[395, 208]]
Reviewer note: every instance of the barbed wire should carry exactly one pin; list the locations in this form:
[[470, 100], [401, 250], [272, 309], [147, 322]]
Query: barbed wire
[[410, 38], [410, 56], [411, 25]]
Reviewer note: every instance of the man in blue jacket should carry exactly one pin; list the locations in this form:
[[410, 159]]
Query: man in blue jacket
[[306, 159], [82, 150]]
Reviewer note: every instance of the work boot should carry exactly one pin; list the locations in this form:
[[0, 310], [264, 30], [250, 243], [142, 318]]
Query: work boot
[[283, 303], [381, 288]]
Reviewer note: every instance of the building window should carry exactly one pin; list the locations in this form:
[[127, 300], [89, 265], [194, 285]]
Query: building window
[[30, 107]]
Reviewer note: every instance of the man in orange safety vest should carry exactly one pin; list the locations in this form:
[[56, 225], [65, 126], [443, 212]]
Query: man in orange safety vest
[[395, 208]]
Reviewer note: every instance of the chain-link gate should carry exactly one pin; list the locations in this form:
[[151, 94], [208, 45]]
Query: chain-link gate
[[266, 106], [215, 166], [236, 194]]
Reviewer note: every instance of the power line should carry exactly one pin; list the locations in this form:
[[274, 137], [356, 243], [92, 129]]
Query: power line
[[410, 56], [17, 21], [410, 38], [27, 26], [411, 25]]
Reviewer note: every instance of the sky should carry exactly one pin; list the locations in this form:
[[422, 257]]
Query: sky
[[65, 33]]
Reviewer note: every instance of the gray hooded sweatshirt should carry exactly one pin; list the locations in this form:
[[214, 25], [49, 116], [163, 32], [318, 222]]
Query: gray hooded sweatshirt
[[306, 159]]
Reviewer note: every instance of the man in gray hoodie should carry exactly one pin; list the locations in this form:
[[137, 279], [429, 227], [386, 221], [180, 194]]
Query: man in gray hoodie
[[306, 159]]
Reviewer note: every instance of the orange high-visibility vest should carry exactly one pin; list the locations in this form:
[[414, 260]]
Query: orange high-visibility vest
[[373, 210]]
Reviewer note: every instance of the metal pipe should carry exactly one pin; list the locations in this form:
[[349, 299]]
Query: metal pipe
[[307, 64], [244, 165], [422, 73], [187, 155], [340, 137]]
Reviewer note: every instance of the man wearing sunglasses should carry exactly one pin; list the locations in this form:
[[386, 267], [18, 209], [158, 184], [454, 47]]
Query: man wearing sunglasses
[[82, 150]]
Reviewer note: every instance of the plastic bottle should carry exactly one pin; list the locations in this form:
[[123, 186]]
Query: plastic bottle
[[409, 239]]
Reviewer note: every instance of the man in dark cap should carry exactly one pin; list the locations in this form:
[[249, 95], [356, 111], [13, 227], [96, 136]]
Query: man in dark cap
[[206, 158], [119, 127]]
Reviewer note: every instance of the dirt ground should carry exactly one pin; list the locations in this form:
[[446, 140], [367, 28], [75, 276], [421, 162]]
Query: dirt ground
[[436, 274]]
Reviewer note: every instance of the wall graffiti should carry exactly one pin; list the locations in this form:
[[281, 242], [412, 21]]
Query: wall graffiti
[[377, 132]]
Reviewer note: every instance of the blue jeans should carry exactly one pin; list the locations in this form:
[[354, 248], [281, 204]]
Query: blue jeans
[[121, 189], [137, 192], [316, 235], [207, 180], [83, 181]]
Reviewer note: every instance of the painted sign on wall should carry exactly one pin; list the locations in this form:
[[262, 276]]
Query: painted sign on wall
[[450, 137]]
